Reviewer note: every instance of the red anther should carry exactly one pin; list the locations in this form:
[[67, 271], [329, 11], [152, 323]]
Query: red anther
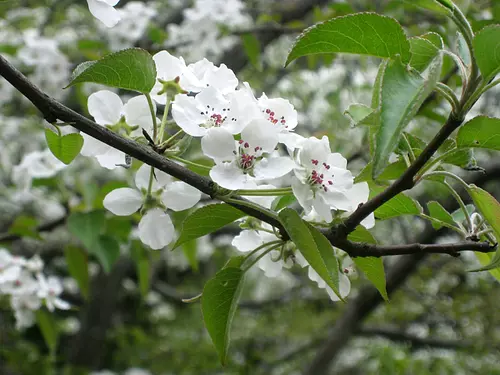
[[240, 141], [314, 161], [268, 110], [246, 144], [330, 182], [272, 114]]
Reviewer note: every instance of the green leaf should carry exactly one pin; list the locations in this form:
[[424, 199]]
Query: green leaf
[[481, 132], [431, 5], [459, 216], [282, 202], [361, 234], [373, 268], [391, 172], [488, 259], [190, 249], [401, 204], [65, 147], [439, 213], [77, 262], [361, 114], [25, 226], [463, 50], [48, 327], [306, 238], [486, 46], [489, 208], [107, 251], [206, 220], [130, 69], [86, 226], [252, 47], [403, 91], [140, 256], [362, 33], [218, 305], [424, 49]]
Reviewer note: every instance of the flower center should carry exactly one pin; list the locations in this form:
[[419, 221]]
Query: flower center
[[215, 118], [273, 118], [320, 177], [247, 155]]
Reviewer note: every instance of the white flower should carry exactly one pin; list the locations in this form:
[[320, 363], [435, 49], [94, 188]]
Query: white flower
[[155, 228], [50, 290], [168, 68], [249, 240], [10, 267], [240, 163], [210, 109], [347, 268], [104, 11], [108, 109], [359, 194], [321, 178], [36, 164], [221, 78]]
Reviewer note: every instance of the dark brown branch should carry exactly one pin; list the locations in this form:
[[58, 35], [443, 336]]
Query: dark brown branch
[[356, 249]]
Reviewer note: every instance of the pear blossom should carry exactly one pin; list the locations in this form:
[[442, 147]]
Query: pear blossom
[[104, 11], [210, 109], [220, 77], [49, 290], [321, 179], [10, 267], [155, 228], [250, 239], [239, 164], [108, 110]]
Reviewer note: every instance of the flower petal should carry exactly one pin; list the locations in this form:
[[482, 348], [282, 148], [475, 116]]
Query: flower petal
[[180, 196], [188, 114], [104, 12], [270, 168], [105, 107], [137, 112], [247, 241], [123, 201], [229, 176], [218, 144], [260, 132], [111, 159], [156, 229]]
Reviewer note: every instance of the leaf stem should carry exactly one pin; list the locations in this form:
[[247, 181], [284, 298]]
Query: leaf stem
[[164, 120], [267, 251], [188, 162], [449, 95], [153, 116]]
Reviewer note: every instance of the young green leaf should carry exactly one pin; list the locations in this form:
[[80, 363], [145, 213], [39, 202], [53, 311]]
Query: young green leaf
[[361, 234], [403, 91], [424, 49], [65, 147], [48, 327], [322, 258], [206, 220], [391, 172], [401, 204], [130, 69], [373, 269], [489, 208], [439, 213], [77, 262], [107, 251], [218, 305], [25, 226], [486, 46], [142, 265], [86, 226], [361, 114], [282, 202], [481, 132], [252, 47], [361, 33], [487, 259]]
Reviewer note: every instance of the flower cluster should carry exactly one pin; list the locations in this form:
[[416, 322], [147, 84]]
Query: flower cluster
[[253, 145], [28, 288]]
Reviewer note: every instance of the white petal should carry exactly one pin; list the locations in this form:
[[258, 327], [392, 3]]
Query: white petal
[[269, 168], [188, 115], [105, 107], [322, 208], [283, 111], [160, 179], [104, 12], [290, 139], [180, 196], [337, 200], [337, 160], [168, 67], [137, 112], [344, 288], [222, 78], [369, 221], [218, 144], [61, 304], [260, 132], [314, 276], [123, 201], [303, 194], [270, 268], [93, 147], [247, 240], [359, 193], [111, 159], [156, 229], [229, 176]]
